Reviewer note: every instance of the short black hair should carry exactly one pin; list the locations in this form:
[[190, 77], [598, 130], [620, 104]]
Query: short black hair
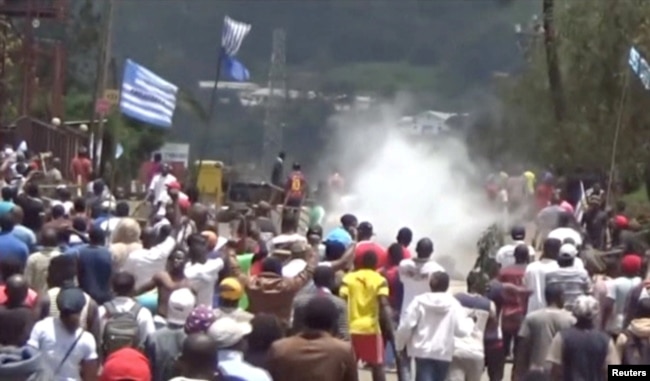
[[321, 314], [424, 248], [266, 330], [405, 236], [369, 259], [395, 253], [6, 222], [553, 293], [323, 276], [551, 247], [96, 235], [123, 283], [122, 209], [282, 155], [439, 281], [195, 238], [79, 205], [7, 193], [10, 266], [348, 220], [31, 189], [522, 253], [58, 211]]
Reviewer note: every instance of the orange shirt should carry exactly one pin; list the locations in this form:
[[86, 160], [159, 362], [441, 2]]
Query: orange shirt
[[81, 166]]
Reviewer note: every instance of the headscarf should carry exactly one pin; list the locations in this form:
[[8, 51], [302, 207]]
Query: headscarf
[[200, 319]]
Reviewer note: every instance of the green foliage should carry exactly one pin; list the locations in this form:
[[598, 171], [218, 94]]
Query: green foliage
[[594, 39]]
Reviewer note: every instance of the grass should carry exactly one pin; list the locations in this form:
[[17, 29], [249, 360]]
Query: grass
[[637, 202]]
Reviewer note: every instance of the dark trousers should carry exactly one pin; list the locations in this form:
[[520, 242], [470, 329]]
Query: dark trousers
[[495, 359]]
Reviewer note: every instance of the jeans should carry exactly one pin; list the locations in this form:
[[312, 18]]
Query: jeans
[[431, 370]]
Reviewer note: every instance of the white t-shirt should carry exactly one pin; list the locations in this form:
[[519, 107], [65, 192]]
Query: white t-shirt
[[564, 233], [203, 277], [158, 186], [618, 290], [67, 205], [506, 254], [53, 340], [145, 263], [415, 278], [124, 304], [535, 280]]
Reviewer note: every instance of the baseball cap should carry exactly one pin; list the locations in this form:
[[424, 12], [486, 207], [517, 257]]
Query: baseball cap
[[568, 251], [518, 232], [230, 289], [365, 227], [586, 307], [70, 300], [126, 364], [631, 264], [227, 331], [180, 306]]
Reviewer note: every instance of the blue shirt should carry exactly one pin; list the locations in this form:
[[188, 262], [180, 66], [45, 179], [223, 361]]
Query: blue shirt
[[233, 367], [95, 268], [11, 246], [339, 235], [26, 235], [5, 207]]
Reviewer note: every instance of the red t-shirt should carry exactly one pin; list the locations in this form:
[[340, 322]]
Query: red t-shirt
[[543, 196], [407, 253], [363, 246], [295, 186], [81, 166], [30, 300]]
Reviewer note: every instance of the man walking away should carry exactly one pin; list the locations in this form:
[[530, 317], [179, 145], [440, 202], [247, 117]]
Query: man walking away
[[535, 275], [537, 332], [469, 353], [574, 281], [366, 292], [505, 256], [428, 327], [314, 353], [515, 298], [582, 353], [277, 172], [618, 290]]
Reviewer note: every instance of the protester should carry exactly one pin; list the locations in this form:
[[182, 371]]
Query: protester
[[126, 364]]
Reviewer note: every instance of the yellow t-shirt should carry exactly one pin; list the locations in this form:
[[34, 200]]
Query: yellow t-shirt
[[362, 289], [530, 181]]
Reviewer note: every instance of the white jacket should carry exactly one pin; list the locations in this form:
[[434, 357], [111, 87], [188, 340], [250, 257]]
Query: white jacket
[[429, 324]]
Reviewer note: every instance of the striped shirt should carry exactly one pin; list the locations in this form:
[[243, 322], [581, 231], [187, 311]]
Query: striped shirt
[[574, 282]]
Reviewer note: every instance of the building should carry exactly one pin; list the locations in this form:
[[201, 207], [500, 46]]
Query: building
[[428, 123]]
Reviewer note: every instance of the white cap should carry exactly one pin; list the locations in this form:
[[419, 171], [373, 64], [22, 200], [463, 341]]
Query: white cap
[[227, 331], [568, 250], [180, 305]]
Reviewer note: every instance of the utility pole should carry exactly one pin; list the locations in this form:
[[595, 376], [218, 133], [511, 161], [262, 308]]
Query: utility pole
[[273, 120], [99, 105]]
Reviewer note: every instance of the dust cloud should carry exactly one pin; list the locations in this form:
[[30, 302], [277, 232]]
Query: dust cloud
[[427, 183]]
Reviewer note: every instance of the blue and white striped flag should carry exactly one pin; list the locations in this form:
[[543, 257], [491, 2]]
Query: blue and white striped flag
[[640, 67], [147, 97], [233, 35]]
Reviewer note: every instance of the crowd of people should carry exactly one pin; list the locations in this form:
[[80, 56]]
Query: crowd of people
[[89, 293]]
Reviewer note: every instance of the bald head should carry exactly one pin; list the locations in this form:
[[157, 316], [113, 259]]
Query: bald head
[[199, 351], [424, 248], [16, 290]]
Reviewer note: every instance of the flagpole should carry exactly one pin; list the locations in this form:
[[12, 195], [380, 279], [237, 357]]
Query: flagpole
[[617, 130], [206, 123]]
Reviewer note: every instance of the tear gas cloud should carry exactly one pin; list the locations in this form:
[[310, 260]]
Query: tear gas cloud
[[428, 184]]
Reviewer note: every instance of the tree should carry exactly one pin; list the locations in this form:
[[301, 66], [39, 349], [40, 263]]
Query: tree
[[595, 37]]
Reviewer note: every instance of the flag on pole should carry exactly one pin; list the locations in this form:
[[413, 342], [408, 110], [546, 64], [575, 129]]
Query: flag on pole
[[582, 204], [640, 67], [147, 97], [232, 36], [119, 151]]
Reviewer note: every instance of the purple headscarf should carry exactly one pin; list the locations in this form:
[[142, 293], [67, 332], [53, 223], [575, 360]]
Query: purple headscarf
[[200, 319]]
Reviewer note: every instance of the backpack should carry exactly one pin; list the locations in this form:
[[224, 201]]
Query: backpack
[[636, 350], [121, 329]]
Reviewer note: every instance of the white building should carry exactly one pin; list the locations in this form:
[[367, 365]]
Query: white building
[[426, 123]]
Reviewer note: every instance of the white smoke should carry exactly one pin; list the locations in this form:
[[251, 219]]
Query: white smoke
[[426, 183]]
